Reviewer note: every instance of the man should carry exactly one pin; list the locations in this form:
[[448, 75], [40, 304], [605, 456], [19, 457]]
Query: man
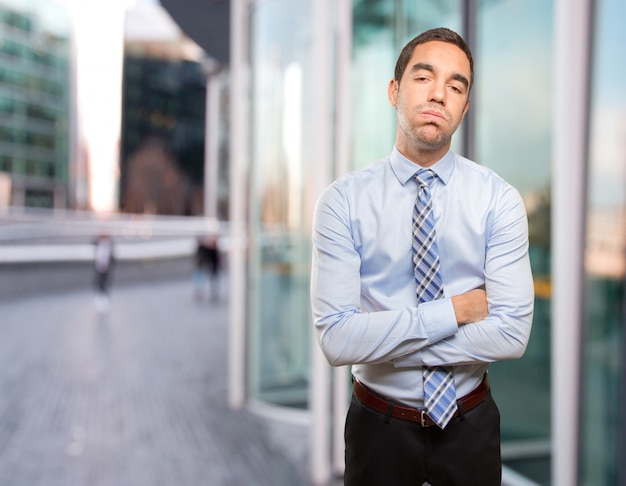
[[399, 325]]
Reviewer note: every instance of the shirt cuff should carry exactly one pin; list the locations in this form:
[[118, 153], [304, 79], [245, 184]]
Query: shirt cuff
[[439, 323], [439, 319]]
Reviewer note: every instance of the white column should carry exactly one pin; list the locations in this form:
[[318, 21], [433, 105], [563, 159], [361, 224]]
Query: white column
[[571, 87], [343, 88], [237, 221], [324, 124], [341, 376]]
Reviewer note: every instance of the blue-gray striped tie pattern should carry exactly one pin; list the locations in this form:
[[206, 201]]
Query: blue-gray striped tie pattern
[[439, 391]]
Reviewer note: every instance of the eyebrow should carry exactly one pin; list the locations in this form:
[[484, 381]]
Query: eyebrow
[[429, 67]]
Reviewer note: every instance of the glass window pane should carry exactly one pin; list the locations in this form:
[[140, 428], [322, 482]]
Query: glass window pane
[[514, 125], [282, 160], [380, 30], [605, 256]]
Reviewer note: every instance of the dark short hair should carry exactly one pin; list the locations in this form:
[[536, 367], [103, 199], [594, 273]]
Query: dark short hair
[[441, 34]]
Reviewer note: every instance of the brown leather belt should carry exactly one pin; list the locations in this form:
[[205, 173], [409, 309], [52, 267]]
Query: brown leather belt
[[381, 405]]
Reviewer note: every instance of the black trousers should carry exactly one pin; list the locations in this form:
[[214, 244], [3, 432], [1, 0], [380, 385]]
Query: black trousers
[[398, 452]]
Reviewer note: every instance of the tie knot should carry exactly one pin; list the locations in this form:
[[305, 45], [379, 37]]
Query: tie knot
[[424, 177]]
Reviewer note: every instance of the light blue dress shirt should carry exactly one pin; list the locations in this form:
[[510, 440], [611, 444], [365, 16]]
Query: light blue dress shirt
[[363, 288]]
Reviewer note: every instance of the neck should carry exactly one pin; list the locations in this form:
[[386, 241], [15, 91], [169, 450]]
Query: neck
[[424, 157]]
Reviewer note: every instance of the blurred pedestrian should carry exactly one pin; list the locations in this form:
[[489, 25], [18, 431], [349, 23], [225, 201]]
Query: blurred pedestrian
[[207, 267], [103, 266]]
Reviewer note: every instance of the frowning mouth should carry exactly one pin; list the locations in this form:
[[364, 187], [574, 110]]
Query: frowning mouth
[[433, 115]]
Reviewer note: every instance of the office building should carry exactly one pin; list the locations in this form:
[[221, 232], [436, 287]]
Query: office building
[[164, 122], [35, 92]]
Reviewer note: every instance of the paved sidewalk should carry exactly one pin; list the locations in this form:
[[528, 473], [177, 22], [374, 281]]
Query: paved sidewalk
[[134, 397]]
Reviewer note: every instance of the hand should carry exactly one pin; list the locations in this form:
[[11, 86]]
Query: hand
[[470, 306]]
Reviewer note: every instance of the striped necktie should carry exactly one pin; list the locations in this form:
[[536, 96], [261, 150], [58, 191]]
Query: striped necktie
[[439, 391]]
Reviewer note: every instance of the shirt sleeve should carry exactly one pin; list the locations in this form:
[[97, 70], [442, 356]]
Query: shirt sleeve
[[504, 334], [345, 333]]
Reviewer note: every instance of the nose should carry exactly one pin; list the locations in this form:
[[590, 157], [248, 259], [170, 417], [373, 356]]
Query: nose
[[437, 93]]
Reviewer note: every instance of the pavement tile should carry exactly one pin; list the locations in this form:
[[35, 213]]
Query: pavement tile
[[135, 396]]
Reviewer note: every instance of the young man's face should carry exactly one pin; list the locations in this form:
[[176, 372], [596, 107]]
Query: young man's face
[[431, 98]]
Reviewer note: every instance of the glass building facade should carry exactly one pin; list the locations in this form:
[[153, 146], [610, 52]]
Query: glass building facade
[[282, 158], [603, 355], [286, 152], [35, 102]]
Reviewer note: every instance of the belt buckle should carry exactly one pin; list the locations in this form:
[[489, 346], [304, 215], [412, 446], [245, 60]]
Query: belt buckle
[[423, 417]]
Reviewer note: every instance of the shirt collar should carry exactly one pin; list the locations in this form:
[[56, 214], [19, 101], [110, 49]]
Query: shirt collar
[[404, 169]]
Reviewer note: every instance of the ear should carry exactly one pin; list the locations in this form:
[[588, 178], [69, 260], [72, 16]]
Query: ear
[[392, 92]]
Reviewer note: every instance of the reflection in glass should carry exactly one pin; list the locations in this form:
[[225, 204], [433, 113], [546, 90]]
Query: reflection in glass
[[512, 107], [604, 351], [380, 30], [514, 126], [282, 162]]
